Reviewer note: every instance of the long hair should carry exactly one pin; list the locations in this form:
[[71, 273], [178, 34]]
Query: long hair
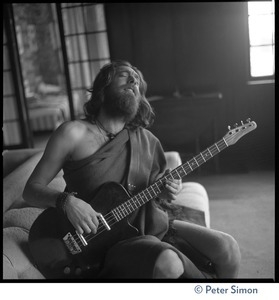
[[145, 115]]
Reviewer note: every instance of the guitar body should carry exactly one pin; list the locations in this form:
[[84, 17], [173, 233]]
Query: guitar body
[[52, 256]]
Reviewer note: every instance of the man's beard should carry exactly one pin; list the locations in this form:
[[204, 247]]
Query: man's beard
[[120, 104]]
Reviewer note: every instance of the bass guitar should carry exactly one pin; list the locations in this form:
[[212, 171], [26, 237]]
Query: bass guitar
[[61, 252]]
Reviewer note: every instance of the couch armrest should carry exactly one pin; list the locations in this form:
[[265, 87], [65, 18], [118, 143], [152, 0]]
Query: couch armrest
[[13, 158], [193, 194], [14, 183], [173, 159]]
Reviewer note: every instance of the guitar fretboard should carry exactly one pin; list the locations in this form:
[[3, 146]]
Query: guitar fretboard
[[129, 206]]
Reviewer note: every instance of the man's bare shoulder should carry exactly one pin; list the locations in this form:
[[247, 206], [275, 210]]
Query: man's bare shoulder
[[72, 129]]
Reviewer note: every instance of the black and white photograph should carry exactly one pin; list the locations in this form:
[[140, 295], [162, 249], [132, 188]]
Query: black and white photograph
[[139, 144]]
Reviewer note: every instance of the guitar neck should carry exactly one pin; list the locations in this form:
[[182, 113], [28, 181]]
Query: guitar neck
[[156, 188]]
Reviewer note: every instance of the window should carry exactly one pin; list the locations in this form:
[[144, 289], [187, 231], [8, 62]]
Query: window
[[87, 43], [261, 39]]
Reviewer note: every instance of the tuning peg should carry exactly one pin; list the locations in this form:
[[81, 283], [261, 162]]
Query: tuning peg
[[242, 123], [229, 127], [248, 120], [235, 125]]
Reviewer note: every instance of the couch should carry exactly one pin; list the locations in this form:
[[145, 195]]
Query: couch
[[18, 216]]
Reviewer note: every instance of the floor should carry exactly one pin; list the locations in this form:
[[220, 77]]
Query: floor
[[242, 204]]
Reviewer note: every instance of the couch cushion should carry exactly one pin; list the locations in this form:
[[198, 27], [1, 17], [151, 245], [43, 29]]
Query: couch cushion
[[21, 217], [14, 183], [16, 263], [13, 158]]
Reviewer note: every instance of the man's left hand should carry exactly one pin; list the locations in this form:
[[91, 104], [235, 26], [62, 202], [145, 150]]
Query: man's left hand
[[173, 188]]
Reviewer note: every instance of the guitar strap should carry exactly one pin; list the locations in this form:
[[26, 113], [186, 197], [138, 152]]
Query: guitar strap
[[134, 173]]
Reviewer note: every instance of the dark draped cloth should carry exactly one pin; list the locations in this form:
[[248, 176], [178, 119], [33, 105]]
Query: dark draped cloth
[[134, 159], [114, 162]]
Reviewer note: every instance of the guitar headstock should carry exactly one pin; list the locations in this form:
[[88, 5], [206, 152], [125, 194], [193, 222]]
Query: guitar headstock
[[238, 132]]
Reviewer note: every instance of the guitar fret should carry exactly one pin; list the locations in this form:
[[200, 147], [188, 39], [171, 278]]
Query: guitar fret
[[119, 212], [179, 177], [203, 157], [225, 142], [217, 147], [199, 160], [114, 212], [141, 198], [209, 152], [189, 165], [127, 207], [147, 191], [138, 201], [184, 172], [122, 210], [152, 193], [155, 194], [134, 204], [170, 174], [206, 155], [158, 189], [196, 161]]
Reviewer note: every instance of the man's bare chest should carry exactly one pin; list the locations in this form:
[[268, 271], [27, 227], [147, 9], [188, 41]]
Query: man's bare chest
[[88, 145]]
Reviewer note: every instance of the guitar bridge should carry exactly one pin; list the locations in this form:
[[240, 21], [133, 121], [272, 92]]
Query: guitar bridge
[[71, 244]]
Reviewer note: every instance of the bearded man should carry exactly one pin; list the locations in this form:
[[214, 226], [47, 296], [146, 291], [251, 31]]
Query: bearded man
[[112, 144]]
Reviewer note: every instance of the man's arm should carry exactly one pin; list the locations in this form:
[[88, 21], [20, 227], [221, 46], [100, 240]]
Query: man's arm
[[60, 145], [37, 193]]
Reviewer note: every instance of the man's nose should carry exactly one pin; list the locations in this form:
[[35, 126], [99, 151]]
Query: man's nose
[[132, 79]]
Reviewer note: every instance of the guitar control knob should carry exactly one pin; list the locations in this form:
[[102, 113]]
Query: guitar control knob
[[67, 270], [78, 271]]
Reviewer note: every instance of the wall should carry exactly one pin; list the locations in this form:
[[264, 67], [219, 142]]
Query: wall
[[198, 47]]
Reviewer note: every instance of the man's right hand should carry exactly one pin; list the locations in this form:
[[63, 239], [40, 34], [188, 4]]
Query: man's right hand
[[82, 216]]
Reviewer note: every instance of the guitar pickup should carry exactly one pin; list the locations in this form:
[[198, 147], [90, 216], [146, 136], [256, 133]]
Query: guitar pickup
[[82, 239], [102, 219]]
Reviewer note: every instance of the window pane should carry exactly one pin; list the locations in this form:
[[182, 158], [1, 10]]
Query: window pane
[[11, 134], [79, 20], [8, 87], [262, 61], [94, 18], [260, 7], [6, 58], [83, 47], [86, 74], [10, 111], [98, 46], [69, 21], [75, 75], [261, 29], [72, 48]]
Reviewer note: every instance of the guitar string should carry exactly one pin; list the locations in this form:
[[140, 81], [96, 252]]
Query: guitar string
[[110, 217]]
